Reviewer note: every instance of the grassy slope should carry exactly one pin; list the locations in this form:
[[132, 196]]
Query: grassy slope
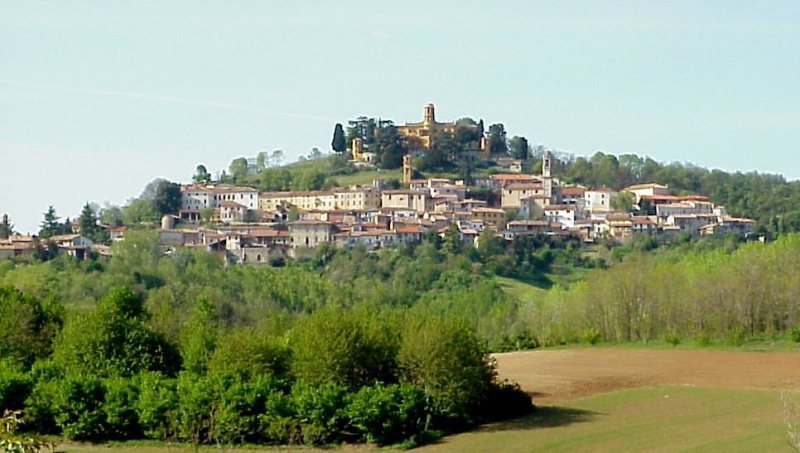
[[651, 419]]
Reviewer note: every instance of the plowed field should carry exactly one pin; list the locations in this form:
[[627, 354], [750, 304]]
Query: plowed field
[[555, 375]]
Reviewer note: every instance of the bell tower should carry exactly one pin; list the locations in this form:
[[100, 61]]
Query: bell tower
[[428, 115], [408, 169]]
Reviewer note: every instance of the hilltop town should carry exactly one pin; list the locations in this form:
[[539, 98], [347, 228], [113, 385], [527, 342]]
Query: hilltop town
[[251, 226]]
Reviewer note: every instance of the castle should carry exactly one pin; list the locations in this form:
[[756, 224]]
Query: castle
[[420, 136]]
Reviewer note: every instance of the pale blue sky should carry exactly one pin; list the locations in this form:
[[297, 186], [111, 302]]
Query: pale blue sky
[[97, 98]]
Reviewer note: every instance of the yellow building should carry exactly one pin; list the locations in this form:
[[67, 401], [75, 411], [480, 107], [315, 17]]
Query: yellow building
[[331, 200], [420, 136]]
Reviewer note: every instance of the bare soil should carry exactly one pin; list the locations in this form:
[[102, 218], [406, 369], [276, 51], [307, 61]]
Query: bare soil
[[555, 375]]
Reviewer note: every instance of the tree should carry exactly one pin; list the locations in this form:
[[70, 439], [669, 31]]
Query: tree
[[277, 158], [87, 222], [315, 153], [519, 146], [114, 340], [50, 225], [167, 199], [6, 228], [201, 174], [262, 161], [238, 169], [339, 143], [497, 139], [624, 201]]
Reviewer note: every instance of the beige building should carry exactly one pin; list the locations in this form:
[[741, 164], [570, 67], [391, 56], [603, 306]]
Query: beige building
[[420, 136], [309, 233], [359, 199], [417, 200]]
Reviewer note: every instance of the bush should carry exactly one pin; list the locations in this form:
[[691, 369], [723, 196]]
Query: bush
[[78, 407], [387, 414], [506, 400], [672, 337], [157, 405], [119, 407], [249, 352], [795, 334], [15, 385], [703, 339], [591, 336], [737, 337], [341, 347], [445, 358], [320, 412]]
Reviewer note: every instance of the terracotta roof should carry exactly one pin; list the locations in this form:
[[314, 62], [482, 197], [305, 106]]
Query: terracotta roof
[[651, 185], [573, 191], [523, 186], [512, 177], [231, 204]]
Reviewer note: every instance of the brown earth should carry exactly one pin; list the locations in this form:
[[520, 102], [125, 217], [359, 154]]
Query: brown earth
[[554, 375]]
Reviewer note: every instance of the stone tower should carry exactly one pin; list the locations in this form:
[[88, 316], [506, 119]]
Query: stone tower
[[408, 169], [428, 115], [357, 148], [547, 179], [546, 163]]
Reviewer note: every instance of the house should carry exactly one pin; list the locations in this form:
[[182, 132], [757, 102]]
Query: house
[[598, 200], [513, 193], [309, 233], [650, 189], [492, 216], [74, 245], [562, 214], [418, 200], [231, 211]]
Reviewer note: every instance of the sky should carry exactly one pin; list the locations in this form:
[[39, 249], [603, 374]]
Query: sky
[[99, 98]]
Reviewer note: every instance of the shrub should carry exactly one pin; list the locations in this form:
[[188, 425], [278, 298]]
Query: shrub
[[15, 385], [119, 407], [387, 414], [250, 352], [445, 358], [795, 334], [78, 407], [320, 411], [672, 337], [157, 405], [591, 336], [703, 338], [341, 347], [737, 336]]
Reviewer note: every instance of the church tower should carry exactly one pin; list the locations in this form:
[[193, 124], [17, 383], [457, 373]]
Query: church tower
[[408, 169], [428, 115], [546, 158], [547, 179]]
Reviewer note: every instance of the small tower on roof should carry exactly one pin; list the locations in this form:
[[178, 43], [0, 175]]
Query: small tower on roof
[[428, 114]]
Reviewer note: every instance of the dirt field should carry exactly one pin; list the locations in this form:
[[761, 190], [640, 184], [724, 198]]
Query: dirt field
[[557, 375]]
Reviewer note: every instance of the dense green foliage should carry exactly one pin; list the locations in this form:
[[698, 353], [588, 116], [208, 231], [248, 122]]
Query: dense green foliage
[[350, 346], [703, 292]]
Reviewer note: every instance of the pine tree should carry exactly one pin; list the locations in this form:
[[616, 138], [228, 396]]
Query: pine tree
[[339, 143], [6, 228], [87, 222], [50, 225]]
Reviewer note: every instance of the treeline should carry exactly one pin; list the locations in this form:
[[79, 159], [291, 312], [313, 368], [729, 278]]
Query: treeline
[[347, 346], [716, 295]]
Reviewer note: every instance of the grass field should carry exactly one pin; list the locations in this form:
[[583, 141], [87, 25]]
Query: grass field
[[645, 419]]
